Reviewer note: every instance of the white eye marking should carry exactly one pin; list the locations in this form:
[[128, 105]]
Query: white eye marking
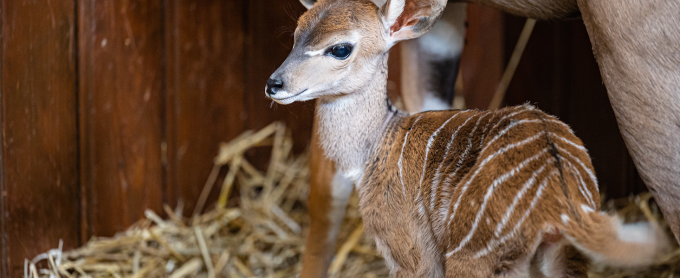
[[315, 53], [352, 39]]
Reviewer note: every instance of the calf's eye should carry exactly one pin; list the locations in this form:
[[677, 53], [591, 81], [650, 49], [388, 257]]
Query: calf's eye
[[341, 51]]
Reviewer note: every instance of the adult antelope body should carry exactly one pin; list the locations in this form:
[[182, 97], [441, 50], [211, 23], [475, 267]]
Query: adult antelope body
[[455, 193], [635, 43]]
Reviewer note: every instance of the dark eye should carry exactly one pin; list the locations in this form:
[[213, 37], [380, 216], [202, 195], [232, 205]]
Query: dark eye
[[341, 51]]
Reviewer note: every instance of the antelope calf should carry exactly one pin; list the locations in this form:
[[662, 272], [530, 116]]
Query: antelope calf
[[449, 193]]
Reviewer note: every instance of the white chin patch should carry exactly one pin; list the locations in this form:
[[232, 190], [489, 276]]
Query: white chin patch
[[283, 97]]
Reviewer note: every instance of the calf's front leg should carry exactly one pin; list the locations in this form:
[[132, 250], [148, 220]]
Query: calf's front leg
[[329, 193]]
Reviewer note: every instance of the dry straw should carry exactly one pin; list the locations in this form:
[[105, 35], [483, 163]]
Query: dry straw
[[264, 235]]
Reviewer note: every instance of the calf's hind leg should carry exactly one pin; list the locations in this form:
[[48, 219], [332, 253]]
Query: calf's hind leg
[[559, 261]]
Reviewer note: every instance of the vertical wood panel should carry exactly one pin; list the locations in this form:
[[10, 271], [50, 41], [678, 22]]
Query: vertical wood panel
[[481, 62], [39, 154], [537, 78], [269, 40], [121, 81], [205, 106]]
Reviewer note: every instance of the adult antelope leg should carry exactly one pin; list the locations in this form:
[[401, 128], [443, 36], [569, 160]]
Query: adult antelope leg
[[328, 196], [636, 46]]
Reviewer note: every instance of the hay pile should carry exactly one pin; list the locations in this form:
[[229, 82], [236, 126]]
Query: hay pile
[[263, 237]]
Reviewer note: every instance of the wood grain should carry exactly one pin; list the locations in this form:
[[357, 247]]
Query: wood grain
[[269, 39], [481, 63], [121, 80], [39, 154], [206, 87]]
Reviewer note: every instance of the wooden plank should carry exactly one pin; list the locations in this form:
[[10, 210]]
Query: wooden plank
[[268, 41], [39, 153], [205, 106], [540, 77], [481, 63], [121, 79]]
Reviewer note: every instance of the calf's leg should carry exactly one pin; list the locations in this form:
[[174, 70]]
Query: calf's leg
[[329, 193]]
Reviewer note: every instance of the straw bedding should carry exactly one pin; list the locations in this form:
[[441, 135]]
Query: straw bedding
[[264, 235]]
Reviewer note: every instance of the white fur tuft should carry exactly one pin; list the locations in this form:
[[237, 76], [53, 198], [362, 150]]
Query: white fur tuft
[[632, 245], [394, 10], [641, 232]]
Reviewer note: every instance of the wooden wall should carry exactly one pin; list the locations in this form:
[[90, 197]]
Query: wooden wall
[[39, 154], [112, 107], [108, 108]]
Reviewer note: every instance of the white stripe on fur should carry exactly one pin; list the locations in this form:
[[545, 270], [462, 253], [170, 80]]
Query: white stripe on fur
[[583, 188], [401, 176], [437, 174], [565, 140], [590, 173], [504, 131], [427, 151], [495, 243], [520, 194], [484, 162], [508, 116], [488, 194]]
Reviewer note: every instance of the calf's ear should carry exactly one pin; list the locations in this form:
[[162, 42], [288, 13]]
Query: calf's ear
[[308, 3], [408, 19]]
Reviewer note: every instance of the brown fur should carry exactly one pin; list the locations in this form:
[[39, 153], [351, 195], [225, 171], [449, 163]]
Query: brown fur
[[539, 9], [441, 205], [636, 46], [316, 28], [405, 224]]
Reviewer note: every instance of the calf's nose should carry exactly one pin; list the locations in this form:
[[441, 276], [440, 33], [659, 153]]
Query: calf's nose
[[273, 85]]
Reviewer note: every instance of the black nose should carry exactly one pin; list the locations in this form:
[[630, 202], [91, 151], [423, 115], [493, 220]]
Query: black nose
[[273, 85]]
